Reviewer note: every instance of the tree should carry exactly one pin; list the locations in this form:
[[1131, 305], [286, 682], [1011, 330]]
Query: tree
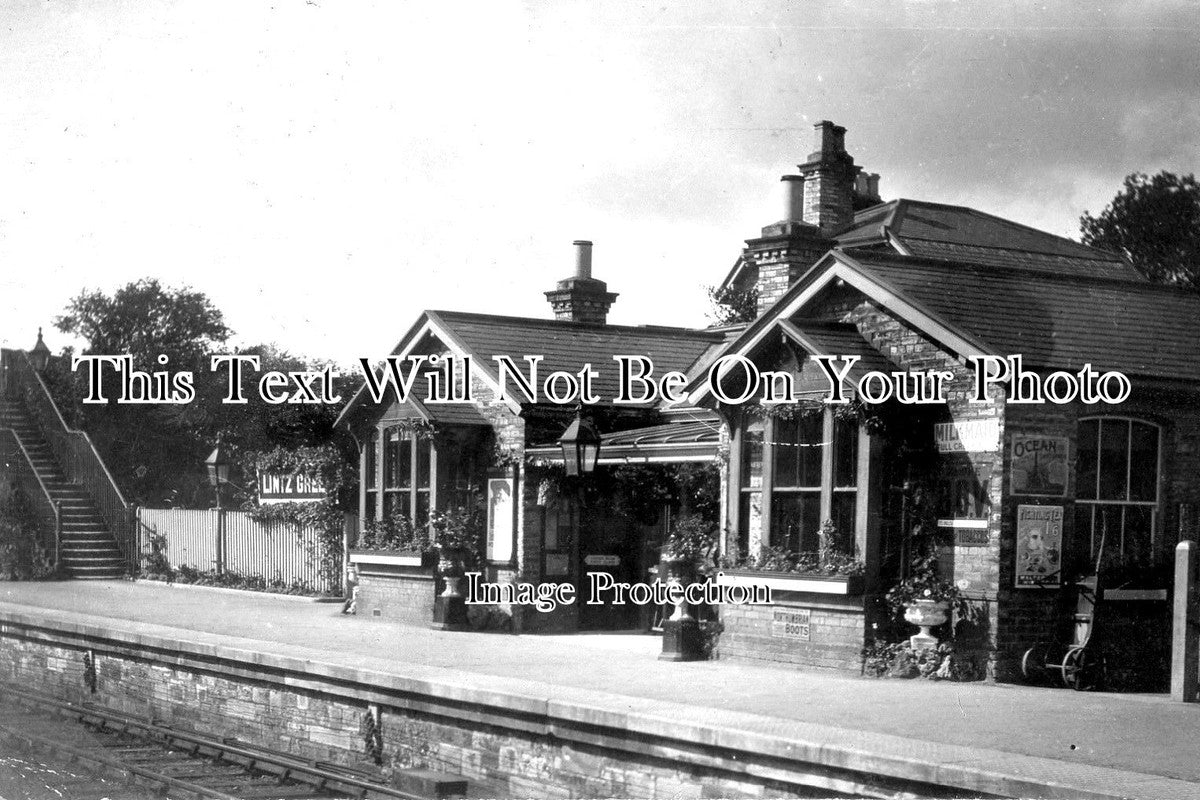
[[731, 306], [1155, 223], [156, 450], [143, 319]]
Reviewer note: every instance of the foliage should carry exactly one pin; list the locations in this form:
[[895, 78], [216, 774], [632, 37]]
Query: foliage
[[156, 451], [900, 660], [155, 564], [144, 318], [710, 636], [856, 411], [692, 538], [731, 306], [779, 559], [1155, 223], [232, 579], [395, 533], [833, 557], [926, 583], [22, 556], [457, 529]]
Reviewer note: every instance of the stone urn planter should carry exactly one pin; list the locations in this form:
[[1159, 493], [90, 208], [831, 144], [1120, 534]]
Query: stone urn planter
[[926, 614], [452, 565]]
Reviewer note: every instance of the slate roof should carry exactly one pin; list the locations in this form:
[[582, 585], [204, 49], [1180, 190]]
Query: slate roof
[[965, 235], [569, 345], [1056, 321]]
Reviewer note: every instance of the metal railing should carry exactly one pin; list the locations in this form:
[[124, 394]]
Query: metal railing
[[18, 465], [74, 452]]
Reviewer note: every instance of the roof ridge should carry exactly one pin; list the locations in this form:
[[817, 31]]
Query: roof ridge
[[983, 268], [663, 329], [1006, 221], [1112, 258]]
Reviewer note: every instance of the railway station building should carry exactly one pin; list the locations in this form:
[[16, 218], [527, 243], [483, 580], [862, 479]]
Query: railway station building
[[1026, 494]]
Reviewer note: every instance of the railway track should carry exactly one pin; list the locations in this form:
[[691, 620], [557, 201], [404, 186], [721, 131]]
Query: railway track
[[175, 764]]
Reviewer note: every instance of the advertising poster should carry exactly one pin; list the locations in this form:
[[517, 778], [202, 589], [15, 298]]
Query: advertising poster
[[1039, 465], [500, 519], [573, 308], [1039, 547]]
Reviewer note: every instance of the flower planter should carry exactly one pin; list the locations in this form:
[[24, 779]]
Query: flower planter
[[794, 582], [926, 614]]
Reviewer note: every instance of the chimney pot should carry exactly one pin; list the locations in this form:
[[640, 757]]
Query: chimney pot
[[862, 186], [793, 198], [873, 185], [583, 258]]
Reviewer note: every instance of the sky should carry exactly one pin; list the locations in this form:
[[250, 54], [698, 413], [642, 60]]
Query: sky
[[324, 171]]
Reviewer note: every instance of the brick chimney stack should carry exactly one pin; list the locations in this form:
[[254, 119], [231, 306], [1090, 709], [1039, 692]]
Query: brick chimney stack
[[818, 202], [581, 298], [830, 176]]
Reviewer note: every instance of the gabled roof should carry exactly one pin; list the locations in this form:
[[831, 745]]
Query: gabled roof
[[1054, 321], [966, 236], [566, 346]]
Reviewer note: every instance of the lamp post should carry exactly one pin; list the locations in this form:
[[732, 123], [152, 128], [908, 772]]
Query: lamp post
[[217, 464], [580, 444], [39, 356]]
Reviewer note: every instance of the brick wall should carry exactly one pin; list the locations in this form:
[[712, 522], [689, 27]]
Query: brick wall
[[404, 596], [1028, 616], [837, 630]]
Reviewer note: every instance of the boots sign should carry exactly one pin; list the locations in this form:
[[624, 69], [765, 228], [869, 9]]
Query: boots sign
[[289, 487]]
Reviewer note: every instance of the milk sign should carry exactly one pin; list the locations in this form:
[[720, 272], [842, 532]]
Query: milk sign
[[289, 487]]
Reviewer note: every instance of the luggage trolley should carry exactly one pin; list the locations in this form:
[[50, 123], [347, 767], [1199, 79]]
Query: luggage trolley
[[1080, 663]]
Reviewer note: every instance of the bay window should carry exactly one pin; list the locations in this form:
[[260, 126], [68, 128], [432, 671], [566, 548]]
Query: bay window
[[795, 473], [406, 480]]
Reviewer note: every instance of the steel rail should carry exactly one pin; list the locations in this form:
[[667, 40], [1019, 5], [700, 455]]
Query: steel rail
[[317, 773], [116, 764]]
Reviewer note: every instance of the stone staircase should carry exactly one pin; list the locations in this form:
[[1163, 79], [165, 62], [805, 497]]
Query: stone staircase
[[88, 550]]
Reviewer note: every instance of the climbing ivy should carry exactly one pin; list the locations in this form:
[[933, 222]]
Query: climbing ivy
[[326, 516]]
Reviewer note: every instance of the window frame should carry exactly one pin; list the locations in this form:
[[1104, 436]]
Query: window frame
[[1096, 503], [827, 490], [380, 491]]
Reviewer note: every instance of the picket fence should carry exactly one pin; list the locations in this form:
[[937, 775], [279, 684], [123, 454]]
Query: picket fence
[[275, 551]]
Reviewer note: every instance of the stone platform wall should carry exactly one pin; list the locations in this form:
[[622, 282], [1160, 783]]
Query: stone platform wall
[[507, 746]]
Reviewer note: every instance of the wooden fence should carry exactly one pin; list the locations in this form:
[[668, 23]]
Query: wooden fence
[[231, 541]]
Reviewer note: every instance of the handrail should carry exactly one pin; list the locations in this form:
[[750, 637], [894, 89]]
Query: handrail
[[76, 454], [23, 478]]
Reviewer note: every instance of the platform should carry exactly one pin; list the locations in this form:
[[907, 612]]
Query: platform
[[1000, 739]]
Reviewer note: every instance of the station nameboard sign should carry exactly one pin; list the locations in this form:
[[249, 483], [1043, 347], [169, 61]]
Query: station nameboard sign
[[967, 436], [289, 487]]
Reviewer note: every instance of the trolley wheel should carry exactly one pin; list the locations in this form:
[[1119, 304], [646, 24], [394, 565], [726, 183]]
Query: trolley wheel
[[1083, 669], [1033, 663]]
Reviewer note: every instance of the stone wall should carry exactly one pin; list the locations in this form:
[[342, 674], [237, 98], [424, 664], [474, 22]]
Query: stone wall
[[501, 747], [836, 631]]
